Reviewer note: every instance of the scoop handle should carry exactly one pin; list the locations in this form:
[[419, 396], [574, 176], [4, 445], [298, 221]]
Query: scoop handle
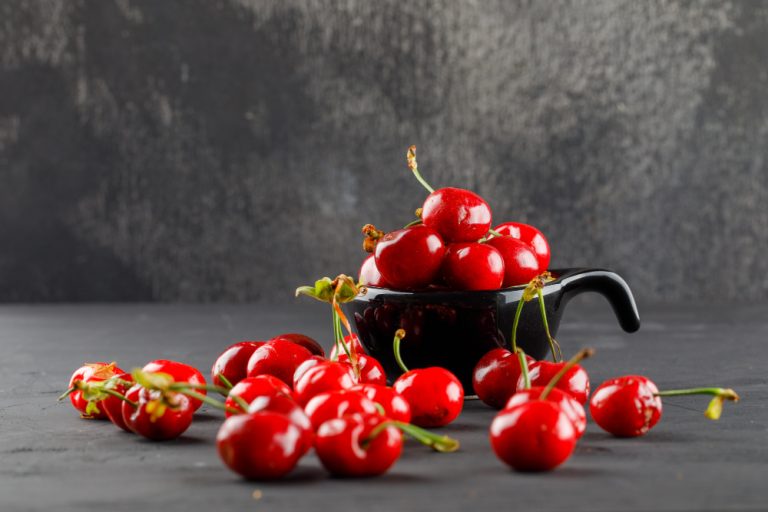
[[575, 281]]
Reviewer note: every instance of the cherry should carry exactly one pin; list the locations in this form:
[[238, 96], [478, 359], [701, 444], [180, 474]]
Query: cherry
[[473, 266], [285, 405], [395, 406], [533, 436], [458, 215], [156, 415], [279, 358], [306, 365], [434, 394], [335, 404], [303, 340], [371, 371], [410, 258], [630, 406], [328, 376], [260, 446], [179, 372], [521, 263], [352, 342], [532, 237], [251, 388], [369, 274], [359, 445], [495, 376], [574, 381], [566, 402], [90, 373], [112, 405], [232, 364]]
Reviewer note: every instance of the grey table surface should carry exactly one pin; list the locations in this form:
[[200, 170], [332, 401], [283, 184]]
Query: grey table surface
[[52, 460]]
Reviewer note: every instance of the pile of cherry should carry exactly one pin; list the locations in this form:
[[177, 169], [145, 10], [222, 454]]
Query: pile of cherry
[[283, 397], [451, 245]]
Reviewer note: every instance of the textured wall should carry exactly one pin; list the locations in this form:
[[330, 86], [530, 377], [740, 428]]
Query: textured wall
[[231, 150]]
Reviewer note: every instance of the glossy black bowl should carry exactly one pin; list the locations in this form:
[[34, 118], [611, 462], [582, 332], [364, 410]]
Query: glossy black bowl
[[454, 329]]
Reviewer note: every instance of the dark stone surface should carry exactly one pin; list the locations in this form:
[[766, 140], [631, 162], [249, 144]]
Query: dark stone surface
[[52, 460], [230, 150]]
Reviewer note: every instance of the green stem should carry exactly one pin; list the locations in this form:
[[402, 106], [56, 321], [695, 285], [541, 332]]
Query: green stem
[[240, 401], [413, 223], [399, 335], [224, 381], [422, 180], [115, 394], [436, 442], [494, 232], [552, 342], [515, 324], [208, 400], [66, 393], [726, 393], [715, 408], [524, 368], [582, 354]]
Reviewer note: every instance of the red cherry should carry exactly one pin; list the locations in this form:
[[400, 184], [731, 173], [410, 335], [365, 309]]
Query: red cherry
[[279, 358], [495, 376], [531, 236], [287, 406], [306, 365], [410, 258], [520, 261], [473, 266], [626, 406], [395, 406], [458, 215], [174, 421], [250, 388], [328, 376], [303, 340], [345, 446], [335, 404], [179, 372], [434, 394], [369, 274], [260, 446], [533, 436], [575, 382], [566, 402], [233, 362], [371, 371], [113, 406], [352, 342], [91, 372]]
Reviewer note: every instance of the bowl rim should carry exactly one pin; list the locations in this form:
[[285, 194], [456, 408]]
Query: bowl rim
[[517, 290]]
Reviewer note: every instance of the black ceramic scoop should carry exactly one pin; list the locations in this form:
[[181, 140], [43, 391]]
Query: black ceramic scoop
[[454, 329]]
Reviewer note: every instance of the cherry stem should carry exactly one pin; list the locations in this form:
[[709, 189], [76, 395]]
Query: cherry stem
[[399, 335], [112, 392], [582, 354], [241, 402], [224, 381], [443, 444], [208, 400], [413, 223], [516, 323], [715, 408], [414, 167], [66, 393], [552, 342], [494, 232], [524, 368], [350, 351]]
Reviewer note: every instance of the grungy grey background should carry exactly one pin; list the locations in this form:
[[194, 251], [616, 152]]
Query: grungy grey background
[[231, 150]]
